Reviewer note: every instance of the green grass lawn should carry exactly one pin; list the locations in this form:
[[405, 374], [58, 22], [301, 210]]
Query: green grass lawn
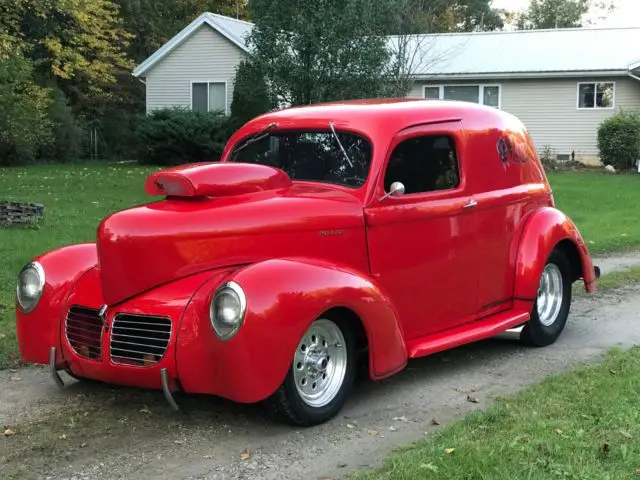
[[77, 197], [583, 424], [603, 206]]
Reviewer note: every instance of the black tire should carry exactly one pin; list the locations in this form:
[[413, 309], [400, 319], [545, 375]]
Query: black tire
[[288, 406], [535, 333]]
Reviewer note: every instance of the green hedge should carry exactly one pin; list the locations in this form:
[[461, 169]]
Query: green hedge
[[176, 136], [619, 140]]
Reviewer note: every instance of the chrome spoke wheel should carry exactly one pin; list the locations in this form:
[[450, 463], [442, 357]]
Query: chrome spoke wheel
[[320, 363], [550, 295]]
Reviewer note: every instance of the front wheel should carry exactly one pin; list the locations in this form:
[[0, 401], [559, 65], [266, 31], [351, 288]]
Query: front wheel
[[553, 301], [320, 376]]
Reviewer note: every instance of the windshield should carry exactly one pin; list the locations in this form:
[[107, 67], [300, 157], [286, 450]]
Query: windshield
[[310, 155]]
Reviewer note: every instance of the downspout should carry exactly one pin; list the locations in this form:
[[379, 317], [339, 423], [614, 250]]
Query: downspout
[[635, 77]]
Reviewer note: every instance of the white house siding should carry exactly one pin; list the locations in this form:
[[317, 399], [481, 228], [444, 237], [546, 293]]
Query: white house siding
[[205, 56], [548, 108]]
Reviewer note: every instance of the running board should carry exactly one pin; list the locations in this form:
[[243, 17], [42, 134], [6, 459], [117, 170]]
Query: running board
[[509, 321]]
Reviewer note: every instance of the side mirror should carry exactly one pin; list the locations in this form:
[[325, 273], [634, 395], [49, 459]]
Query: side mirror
[[396, 190]]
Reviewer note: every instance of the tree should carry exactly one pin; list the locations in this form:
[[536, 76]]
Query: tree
[[251, 96], [321, 50], [24, 124], [560, 13], [69, 40]]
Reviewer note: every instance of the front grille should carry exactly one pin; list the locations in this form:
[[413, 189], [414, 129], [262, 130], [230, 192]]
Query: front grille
[[139, 340], [83, 328]]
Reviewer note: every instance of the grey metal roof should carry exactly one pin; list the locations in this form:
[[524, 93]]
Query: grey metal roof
[[540, 52], [487, 54]]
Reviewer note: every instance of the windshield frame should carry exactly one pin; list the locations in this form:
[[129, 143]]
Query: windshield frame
[[233, 148]]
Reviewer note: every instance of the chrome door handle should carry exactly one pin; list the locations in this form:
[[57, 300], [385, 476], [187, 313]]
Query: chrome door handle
[[472, 203]]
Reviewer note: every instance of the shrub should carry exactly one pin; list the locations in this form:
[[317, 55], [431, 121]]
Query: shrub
[[25, 127], [619, 140], [251, 96], [67, 133], [176, 136]]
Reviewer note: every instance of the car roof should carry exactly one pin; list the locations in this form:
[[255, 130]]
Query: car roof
[[367, 113]]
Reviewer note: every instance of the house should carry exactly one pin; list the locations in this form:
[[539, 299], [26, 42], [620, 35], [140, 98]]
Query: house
[[561, 83]]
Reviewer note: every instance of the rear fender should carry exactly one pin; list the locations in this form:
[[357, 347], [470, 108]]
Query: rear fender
[[546, 229], [39, 329], [283, 298]]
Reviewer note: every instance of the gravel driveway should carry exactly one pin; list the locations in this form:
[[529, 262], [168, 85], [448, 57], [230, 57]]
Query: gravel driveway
[[94, 431]]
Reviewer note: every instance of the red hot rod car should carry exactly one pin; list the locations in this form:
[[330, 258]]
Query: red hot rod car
[[328, 234]]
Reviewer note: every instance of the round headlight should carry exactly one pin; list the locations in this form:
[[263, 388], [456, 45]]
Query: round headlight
[[227, 310], [30, 286]]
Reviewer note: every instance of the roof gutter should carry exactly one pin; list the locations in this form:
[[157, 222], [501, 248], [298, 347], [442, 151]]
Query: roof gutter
[[635, 77], [523, 75]]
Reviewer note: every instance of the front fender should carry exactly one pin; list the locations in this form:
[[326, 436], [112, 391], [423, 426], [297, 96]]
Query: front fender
[[38, 330], [283, 298], [545, 229]]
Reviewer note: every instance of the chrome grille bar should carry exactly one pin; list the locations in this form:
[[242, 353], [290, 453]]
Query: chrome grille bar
[[83, 330], [151, 335]]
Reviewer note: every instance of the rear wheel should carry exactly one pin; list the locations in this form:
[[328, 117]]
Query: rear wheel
[[320, 376], [553, 301]]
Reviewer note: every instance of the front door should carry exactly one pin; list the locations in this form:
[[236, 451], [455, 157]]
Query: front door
[[421, 243]]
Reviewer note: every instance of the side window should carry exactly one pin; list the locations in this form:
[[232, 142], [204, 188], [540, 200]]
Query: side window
[[424, 164]]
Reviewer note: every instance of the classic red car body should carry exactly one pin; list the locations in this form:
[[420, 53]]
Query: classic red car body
[[419, 273]]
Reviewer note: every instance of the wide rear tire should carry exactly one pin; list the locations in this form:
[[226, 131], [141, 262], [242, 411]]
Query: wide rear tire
[[320, 377], [553, 302]]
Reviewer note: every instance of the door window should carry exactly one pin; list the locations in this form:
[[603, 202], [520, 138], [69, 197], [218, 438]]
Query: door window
[[424, 164]]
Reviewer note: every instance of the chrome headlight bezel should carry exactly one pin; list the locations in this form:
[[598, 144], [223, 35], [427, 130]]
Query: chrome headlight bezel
[[236, 292], [33, 303]]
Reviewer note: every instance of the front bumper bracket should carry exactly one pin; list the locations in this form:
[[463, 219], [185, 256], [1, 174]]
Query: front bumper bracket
[[167, 390], [53, 369]]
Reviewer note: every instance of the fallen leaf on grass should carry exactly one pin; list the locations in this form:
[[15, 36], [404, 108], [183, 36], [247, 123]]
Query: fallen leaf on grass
[[626, 434], [8, 433], [350, 426], [449, 451], [472, 399], [558, 431], [2, 335], [371, 433], [244, 455], [613, 372], [637, 471]]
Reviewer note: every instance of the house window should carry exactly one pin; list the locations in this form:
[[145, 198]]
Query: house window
[[209, 97], [482, 94], [596, 95], [424, 164]]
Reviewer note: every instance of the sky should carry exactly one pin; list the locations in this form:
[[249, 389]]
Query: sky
[[626, 14]]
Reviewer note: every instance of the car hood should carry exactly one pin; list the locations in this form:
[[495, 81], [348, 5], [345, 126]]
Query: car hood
[[147, 246]]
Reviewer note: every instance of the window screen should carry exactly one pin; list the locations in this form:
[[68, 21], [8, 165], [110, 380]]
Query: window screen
[[424, 164], [208, 97], [199, 100]]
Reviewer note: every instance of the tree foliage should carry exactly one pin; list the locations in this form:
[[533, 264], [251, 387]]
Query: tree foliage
[[561, 13], [25, 127], [251, 96], [68, 39], [320, 50]]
